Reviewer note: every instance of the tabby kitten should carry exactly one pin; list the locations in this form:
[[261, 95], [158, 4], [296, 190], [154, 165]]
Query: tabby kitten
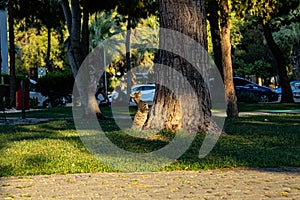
[[142, 111]]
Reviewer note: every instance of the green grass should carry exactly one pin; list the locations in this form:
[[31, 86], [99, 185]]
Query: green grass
[[66, 112], [245, 107], [57, 112], [55, 147], [251, 141], [46, 148]]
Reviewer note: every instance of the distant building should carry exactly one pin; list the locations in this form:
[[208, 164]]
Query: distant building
[[3, 41]]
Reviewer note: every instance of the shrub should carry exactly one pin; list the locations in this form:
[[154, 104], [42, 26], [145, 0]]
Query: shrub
[[33, 102], [56, 85]]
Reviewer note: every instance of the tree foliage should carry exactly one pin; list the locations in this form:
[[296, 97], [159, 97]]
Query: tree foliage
[[287, 35], [32, 45], [136, 9], [56, 84], [38, 13], [266, 10], [252, 56]]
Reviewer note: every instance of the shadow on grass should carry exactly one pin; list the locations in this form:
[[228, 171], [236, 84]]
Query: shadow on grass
[[57, 112], [248, 107], [47, 148], [46, 130], [269, 141], [250, 142]]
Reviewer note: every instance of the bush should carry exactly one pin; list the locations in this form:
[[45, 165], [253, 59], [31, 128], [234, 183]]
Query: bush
[[56, 85], [19, 77], [33, 102]]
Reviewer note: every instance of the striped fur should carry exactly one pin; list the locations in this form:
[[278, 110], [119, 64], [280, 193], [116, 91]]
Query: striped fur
[[142, 111]]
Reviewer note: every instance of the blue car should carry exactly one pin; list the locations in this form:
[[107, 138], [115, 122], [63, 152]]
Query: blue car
[[295, 86], [248, 91]]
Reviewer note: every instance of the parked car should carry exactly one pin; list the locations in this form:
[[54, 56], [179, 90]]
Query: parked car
[[45, 101], [148, 92], [296, 91], [248, 91], [40, 99], [295, 86]]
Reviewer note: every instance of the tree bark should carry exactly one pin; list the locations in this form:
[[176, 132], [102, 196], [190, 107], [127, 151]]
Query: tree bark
[[296, 61], [128, 56], [212, 8], [75, 35], [48, 61], [67, 13], [12, 53], [287, 95], [85, 29], [232, 109], [175, 107], [76, 56]]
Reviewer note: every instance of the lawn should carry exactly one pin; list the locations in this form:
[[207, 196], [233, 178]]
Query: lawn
[[244, 107], [55, 147]]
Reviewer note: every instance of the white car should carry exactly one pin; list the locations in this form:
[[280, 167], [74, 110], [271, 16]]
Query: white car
[[36, 95], [296, 91], [148, 92]]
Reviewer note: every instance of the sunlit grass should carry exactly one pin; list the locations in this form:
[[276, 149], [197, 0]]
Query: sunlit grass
[[50, 148], [55, 147]]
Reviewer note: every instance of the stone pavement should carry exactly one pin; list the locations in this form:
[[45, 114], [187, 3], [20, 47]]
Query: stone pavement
[[209, 184]]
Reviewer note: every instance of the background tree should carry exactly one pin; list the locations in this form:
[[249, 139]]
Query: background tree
[[39, 14], [32, 50], [232, 109], [266, 11], [103, 27], [55, 22], [252, 55], [222, 49], [212, 9], [108, 29], [35, 13], [12, 56], [171, 112], [134, 10], [77, 44], [287, 36]]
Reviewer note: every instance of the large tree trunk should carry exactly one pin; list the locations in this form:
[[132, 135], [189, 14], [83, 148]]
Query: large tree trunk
[[212, 8], [128, 56], [76, 54], [296, 61], [176, 105], [48, 61], [287, 95], [85, 30], [232, 109], [12, 53]]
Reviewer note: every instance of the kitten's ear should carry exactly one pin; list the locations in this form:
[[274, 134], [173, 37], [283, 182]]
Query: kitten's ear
[[139, 93]]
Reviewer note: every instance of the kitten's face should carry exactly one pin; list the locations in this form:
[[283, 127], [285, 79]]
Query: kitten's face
[[136, 96]]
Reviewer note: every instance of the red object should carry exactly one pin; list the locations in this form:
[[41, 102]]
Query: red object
[[19, 99]]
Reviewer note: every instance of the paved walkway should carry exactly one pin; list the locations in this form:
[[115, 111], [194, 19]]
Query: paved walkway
[[212, 184]]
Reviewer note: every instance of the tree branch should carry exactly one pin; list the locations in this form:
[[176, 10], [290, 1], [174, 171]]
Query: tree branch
[[67, 13]]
